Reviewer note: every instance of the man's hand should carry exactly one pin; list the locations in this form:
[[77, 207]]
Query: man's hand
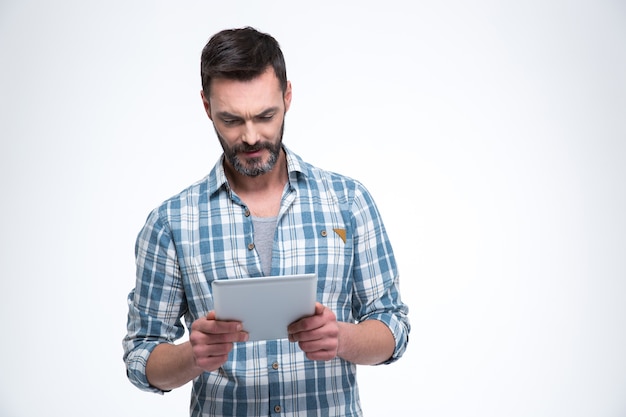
[[212, 340], [317, 335]]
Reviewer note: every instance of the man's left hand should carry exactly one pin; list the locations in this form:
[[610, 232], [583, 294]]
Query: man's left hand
[[317, 335]]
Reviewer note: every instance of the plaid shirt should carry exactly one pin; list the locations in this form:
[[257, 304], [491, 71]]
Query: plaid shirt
[[328, 224]]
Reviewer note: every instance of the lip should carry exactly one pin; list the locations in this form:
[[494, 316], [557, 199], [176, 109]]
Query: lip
[[253, 154]]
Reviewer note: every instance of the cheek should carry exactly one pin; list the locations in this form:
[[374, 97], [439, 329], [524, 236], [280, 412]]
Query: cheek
[[274, 129], [271, 133], [228, 135]]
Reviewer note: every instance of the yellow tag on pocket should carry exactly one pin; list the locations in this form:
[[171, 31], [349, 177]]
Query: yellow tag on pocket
[[341, 233]]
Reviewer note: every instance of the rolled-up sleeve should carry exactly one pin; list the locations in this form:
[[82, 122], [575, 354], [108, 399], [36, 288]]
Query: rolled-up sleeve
[[157, 303], [376, 278]]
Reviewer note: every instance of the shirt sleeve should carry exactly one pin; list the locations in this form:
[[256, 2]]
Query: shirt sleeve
[[157, 303], [376, 279]]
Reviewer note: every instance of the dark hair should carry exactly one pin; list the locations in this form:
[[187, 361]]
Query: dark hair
[[241, 54]]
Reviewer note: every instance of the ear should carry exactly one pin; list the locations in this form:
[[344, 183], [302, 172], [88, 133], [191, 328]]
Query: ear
[[287, 96], [207, 105]]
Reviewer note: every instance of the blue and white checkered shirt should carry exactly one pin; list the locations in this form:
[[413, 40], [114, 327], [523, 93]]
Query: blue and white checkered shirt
[[328, 224]]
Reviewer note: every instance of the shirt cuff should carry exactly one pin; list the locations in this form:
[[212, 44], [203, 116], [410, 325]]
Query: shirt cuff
[[136, 368], [400, 331]]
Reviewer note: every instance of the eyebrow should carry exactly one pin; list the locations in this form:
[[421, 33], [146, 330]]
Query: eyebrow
[[228, 115]]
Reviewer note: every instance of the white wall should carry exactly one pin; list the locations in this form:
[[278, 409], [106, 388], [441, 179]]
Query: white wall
[[491, 134]]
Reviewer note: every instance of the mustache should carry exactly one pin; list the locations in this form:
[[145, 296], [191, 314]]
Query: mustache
[[251, 148]]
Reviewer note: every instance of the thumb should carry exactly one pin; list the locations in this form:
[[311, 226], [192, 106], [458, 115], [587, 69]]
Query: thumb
[[319, 308]]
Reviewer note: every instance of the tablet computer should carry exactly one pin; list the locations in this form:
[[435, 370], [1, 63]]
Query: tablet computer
[[265, 305]]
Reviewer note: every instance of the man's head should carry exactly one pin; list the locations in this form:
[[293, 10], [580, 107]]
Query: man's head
[[241, 54], [246, 95]]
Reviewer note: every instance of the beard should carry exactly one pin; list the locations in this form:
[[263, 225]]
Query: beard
[[252, 167]]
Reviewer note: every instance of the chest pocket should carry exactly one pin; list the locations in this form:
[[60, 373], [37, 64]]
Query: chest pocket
[[319, 241]]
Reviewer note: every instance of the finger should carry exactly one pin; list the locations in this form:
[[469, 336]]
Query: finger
[[210, 325], [321, 355], [210, 363], [212, 350], [220, 338], [321, 349], [316, 345], [308, 323], [210, 355]]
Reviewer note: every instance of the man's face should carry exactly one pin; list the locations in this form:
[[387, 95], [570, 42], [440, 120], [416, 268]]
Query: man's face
[[248, 117]]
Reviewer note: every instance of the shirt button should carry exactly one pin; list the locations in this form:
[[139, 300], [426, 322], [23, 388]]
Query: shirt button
[[275, 365], [250, 246], [323, 233], [277, 408], [247, 213]]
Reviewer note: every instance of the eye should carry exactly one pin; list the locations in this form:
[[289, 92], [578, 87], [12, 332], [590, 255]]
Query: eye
[[230, 122], [266, 117]]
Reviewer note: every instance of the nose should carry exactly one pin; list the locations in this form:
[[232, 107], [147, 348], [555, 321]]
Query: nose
[[250, 134]]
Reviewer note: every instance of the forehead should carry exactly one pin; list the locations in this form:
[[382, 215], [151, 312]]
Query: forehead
[[241, 97]]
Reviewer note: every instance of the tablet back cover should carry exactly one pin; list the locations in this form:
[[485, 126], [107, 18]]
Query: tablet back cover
[[265, 305]]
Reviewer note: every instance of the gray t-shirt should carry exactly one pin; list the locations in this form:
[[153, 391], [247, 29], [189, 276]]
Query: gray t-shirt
[[264, 230]]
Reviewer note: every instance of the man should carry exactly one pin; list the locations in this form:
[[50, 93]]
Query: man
[[262, 211]]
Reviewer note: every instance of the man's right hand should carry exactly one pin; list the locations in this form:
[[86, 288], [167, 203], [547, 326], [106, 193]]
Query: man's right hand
[[212, 340], [172, 365]]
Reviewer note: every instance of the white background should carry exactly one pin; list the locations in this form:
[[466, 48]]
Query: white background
[[492, 134]]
